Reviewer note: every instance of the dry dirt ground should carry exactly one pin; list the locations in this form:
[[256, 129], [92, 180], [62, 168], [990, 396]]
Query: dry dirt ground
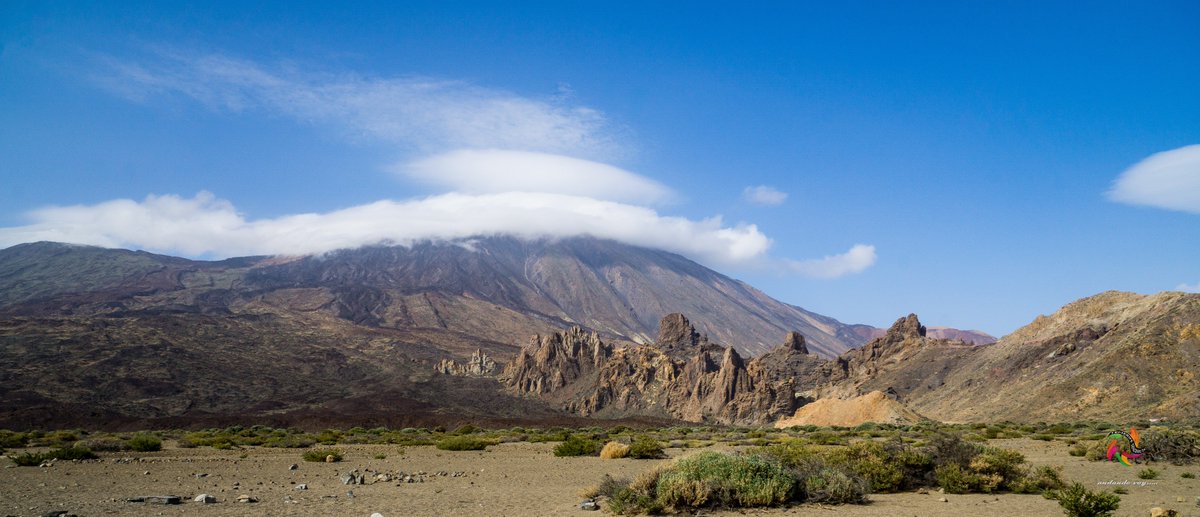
[[515, 479]]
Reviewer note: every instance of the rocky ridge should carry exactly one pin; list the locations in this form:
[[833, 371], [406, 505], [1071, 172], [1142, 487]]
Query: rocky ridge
[[681, 375]]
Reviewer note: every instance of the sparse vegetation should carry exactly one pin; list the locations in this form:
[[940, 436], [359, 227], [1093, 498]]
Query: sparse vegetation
[[577, 445], [724, 480], [462, 443], [144, 442], [322, 454], [1147, 473], [66, 453], [1187, 475], [1077, 501], [646, 448]]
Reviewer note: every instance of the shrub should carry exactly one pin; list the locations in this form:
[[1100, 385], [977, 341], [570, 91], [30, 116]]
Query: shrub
[[1043, 479], [886, 466], [66, 453], [321, 454], [1187, 475], [716, 479], [646, 448], [467, 429], [294, 441], [462, 443], [870, 461], [614, 450], [103, 444], [1078, 501], [947, 448], [13, 440], [1078, 450], [577, 445], [1177, 446], [144, 443], [59, 438], [639, 496], [1147, 473], [998, 469], [954, 479], [833, 486]]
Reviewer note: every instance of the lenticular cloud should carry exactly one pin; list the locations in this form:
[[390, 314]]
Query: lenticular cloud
[[207, 226], [1170, 180]]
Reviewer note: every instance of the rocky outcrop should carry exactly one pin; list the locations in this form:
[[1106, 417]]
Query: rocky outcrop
[[550, 363], [479, 365], [681, 376]]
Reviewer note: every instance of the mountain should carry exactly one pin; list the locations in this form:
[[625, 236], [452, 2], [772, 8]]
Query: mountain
[[1113, 356], [976, 337], [92, 336]]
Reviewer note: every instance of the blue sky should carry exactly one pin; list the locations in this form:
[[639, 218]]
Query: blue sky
[[978, 165]]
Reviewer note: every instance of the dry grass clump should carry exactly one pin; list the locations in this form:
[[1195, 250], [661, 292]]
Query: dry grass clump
[[614, 450]]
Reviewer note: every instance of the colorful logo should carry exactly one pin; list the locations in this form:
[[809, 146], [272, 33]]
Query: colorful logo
[[1114, 447]]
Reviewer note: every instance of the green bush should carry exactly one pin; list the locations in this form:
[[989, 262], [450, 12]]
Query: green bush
[[1147, 473], [59, 438], [1078, 501], [646, 448], [1187, 475], [716, 479], [954, 479], [462, 443], [713, 479], [294, 441], [66, 453], [888, 466], [467, 429], [998, 469], [1043, 479], [833, 486], [577, 445], [13, 440], [319, 455], [144, 443], [103, 444]]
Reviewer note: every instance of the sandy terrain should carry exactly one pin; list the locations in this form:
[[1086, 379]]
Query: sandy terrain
[[516, 479]]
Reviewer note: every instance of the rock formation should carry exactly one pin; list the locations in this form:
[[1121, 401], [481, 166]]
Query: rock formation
[[680, 375], [479, 365]]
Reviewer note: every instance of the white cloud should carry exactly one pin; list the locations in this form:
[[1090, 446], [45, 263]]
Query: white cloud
[[1170, 180], [1194, 288], [857, 259], [206, 226], [764, 195], [431, 115], [515, 166], [493, 170]]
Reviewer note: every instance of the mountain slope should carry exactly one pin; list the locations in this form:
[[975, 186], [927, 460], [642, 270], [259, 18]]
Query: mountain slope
[[612, 288], [1115, 356], [92, 336]]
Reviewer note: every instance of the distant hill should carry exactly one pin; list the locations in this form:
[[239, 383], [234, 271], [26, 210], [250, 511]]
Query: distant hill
[[94, 336], [1115, 356], [974, 337]]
